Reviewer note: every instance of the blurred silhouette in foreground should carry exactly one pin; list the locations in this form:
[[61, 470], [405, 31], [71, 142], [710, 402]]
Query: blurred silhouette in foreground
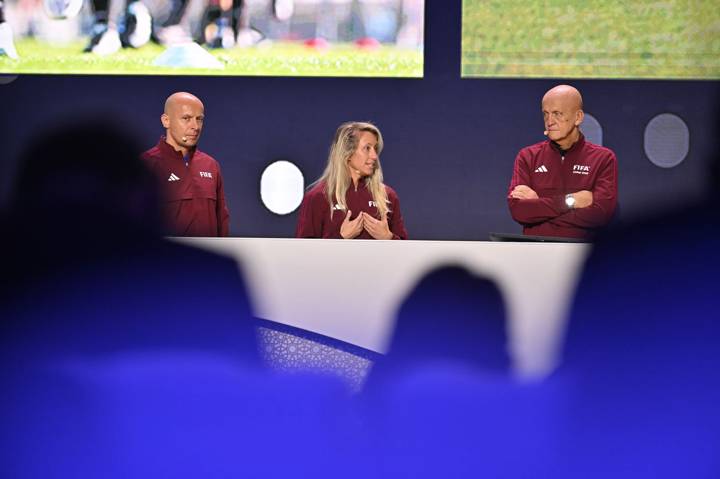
[[128, 355], [442, 403], [643, 351], [86, 269], [450, 316]]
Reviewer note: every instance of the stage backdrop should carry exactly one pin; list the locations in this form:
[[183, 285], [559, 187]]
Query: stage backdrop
[[450, 142]]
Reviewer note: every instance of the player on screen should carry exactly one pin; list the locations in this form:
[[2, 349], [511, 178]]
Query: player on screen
[[350, 199], [7, 43], [215, 23], [227, 22], [209, 22], [564, 186], [121, 24], [118, 24]]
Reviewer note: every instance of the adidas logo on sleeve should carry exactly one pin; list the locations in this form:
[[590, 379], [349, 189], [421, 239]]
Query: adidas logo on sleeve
[[173, 177], [541, 169]]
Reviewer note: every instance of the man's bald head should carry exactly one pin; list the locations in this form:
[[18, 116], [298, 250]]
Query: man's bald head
[[179, 98], [183, 121], [562, 112], [567, 94]]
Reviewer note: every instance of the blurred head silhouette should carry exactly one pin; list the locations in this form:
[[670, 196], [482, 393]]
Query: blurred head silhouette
[[451, 315], [90, 273], [85, 177]]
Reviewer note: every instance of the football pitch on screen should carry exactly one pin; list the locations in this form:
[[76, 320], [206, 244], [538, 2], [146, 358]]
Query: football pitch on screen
[[673, 39], [345, 60]]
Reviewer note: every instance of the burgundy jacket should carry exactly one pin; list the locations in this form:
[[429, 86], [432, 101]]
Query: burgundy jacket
[[315, 220], [553, 174], [193, 195]]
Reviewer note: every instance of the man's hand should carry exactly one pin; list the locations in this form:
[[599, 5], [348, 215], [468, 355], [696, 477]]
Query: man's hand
[[378, 229], [350, 229], [583, 199], [523, 192]]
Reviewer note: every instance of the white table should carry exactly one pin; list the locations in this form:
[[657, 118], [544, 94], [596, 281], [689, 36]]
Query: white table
[[317, 285]]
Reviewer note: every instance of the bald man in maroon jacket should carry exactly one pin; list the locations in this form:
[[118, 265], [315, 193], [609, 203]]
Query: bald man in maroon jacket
[[564, 186], [194, 199]]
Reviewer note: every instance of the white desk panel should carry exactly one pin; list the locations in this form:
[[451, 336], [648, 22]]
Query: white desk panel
[[351, 290]]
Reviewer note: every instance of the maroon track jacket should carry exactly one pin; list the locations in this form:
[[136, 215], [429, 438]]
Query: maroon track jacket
[[315, 221], [193, 195], [552, 174]]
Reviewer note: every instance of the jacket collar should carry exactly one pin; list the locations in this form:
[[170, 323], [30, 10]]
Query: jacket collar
[[167, 149], [578, 145]]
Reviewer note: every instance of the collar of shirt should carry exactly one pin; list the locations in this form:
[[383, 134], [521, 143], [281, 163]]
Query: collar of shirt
[[575, 146], [362, 185], [167, 149]]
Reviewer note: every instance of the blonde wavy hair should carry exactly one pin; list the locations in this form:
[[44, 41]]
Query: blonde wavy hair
[[337, 173]]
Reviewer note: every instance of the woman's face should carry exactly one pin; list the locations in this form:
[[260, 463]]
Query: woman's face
[[364, 160]]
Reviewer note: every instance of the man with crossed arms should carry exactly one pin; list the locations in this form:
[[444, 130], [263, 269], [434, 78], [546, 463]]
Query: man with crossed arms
[[564, 186]]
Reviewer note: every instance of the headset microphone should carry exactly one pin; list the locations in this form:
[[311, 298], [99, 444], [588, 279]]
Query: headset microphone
[[184, 138], [545, 133]]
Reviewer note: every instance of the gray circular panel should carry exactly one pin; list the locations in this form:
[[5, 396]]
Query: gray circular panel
[[592, 130], [7, 79], [667, 140]]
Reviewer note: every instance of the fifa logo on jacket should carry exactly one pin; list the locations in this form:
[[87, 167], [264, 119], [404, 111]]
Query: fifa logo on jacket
[[581, 169], [205, 174]]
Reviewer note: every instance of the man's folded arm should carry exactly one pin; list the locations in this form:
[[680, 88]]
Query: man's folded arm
[[536, 210], [529, 211], [604, 202]]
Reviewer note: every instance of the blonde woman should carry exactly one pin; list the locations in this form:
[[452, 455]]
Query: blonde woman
[[350, 199]]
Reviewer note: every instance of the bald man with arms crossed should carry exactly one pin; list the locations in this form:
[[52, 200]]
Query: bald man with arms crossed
[[564, 186], [194, 199]]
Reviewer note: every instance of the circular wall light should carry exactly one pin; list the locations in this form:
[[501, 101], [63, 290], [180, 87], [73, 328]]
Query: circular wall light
[[282, 187]]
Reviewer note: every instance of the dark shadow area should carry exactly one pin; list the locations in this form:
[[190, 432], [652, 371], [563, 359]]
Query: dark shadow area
[[641, 361], [129, 355], [86, 270]]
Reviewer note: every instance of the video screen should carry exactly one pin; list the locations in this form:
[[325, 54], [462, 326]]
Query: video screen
[[643, 39], [348, 38]]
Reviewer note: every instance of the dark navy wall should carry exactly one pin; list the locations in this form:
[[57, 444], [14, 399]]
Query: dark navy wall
[[450, 143]]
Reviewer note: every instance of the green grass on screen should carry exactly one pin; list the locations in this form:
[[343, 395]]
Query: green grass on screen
[[273, 60], [676, 39]]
